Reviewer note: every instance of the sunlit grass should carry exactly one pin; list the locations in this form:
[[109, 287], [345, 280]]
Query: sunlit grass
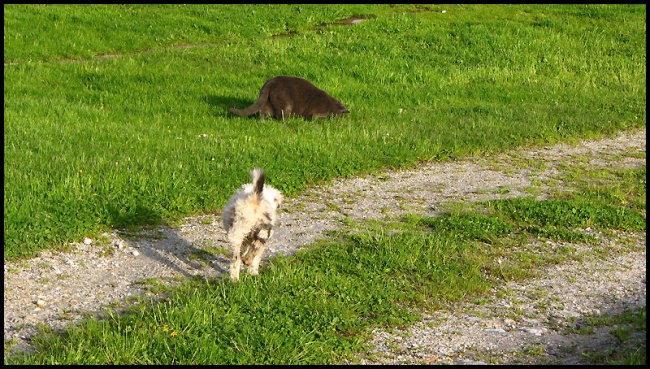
[[146, 137]]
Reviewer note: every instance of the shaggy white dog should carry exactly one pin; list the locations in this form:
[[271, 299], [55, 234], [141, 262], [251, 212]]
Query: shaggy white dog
[[249, 218]]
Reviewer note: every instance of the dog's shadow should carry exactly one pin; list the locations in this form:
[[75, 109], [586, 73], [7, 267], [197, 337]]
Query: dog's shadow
[[162, 247], [219, 105], [165, 245]]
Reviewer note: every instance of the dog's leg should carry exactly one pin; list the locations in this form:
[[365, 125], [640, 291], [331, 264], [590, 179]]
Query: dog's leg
[[235, 263], [236, 240], [257, 257], [247, 252]]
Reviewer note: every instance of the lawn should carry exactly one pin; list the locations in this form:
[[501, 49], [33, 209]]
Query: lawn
[[145, 137], [116, 116]]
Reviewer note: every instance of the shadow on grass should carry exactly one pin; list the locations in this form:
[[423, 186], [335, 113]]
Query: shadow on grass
[[219, 105], [125, 216]]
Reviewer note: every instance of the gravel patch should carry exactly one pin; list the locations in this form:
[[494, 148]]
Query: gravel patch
[[60, 288], [529, 325]]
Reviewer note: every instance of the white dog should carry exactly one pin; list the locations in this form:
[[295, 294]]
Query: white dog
[[249, 219]]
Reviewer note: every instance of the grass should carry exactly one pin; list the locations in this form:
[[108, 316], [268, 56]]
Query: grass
[[318, 305], [144, 137], [85, 32], [110, 123]]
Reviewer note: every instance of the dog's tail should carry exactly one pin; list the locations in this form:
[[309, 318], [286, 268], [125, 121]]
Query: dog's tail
[[258, 177]]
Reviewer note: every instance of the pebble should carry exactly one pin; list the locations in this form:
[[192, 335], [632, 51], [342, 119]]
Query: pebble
[[495, 330], [470, 362], [535, 331]]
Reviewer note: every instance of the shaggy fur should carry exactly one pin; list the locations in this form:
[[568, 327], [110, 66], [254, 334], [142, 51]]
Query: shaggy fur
[[249, 218]]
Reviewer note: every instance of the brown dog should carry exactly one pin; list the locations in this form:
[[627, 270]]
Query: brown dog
[[291, 96]]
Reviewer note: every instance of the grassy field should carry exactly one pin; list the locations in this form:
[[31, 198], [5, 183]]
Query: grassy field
[[116, 116], [144, 136]]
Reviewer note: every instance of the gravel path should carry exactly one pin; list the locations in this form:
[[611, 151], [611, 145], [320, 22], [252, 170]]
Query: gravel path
[[60, 288], [529, 325]]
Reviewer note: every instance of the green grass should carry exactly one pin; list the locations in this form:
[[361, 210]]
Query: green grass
[[145, 137], [317, 306], [55, 32]]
